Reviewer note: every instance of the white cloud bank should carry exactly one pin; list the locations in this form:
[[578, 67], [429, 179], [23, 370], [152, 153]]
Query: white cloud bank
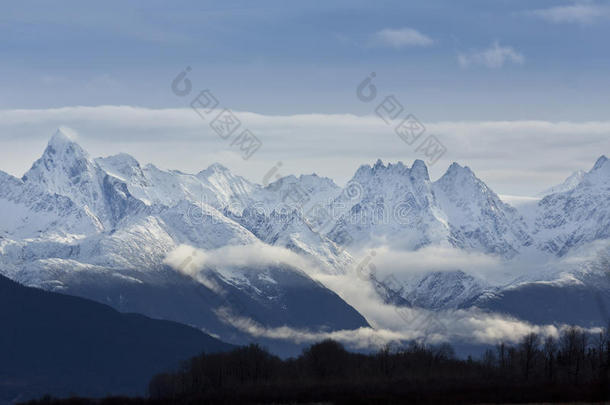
[[512, 157], [493, 57]]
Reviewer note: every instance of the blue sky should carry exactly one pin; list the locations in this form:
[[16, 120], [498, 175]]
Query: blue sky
[[445, 61], [277, 57]]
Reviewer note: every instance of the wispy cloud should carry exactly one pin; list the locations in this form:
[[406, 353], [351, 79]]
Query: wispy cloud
[[580, 13], [402, 37], [255, 255], [390, 260], [231, 261], [473, 326], [493, 57]]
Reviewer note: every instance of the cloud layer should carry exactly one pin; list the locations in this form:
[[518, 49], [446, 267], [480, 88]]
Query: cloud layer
[[512, 157], [466, 326]]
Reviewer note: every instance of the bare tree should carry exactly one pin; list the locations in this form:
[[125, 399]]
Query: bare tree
[[529, 350], [550, 354]]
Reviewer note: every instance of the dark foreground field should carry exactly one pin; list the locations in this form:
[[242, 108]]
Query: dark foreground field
[[573, 368]]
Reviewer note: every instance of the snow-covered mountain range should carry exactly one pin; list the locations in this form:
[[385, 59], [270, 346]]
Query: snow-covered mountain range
[[104, 228]]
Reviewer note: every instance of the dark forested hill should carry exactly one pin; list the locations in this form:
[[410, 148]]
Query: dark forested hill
[[63, 345]]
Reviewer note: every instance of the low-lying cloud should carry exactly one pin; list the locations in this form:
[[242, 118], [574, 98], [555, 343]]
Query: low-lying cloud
[[229, 261], [389, 323], [388, 260], [465, 326], [255, 255]]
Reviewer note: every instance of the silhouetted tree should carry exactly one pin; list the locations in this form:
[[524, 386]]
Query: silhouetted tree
[[326, 371], [529, 352], [550, 353]]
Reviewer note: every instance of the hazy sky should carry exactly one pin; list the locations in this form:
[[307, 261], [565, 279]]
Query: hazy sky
[[528, 78]]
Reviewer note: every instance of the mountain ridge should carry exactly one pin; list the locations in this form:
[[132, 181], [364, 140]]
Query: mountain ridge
[[62, 345], [79, 219]]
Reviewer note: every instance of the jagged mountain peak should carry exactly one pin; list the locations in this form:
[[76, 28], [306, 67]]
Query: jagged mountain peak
[[315, 177], [478, 219], [319, 183], [365, 168], [220, 176], [277, 184], [62, 136], [569, 184], [64, 142], [312, 182], [67, 170], [62, 157], [461, 179], [309, 175], [601, 162], [598, 175], [457, 168], [419, 170], [122, 165], [388, 202], [577, 215], [121, 158], [379, 166], [228, 187], [214, 168]]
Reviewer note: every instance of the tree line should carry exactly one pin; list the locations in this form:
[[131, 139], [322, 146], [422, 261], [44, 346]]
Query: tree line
[[573, 367]]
